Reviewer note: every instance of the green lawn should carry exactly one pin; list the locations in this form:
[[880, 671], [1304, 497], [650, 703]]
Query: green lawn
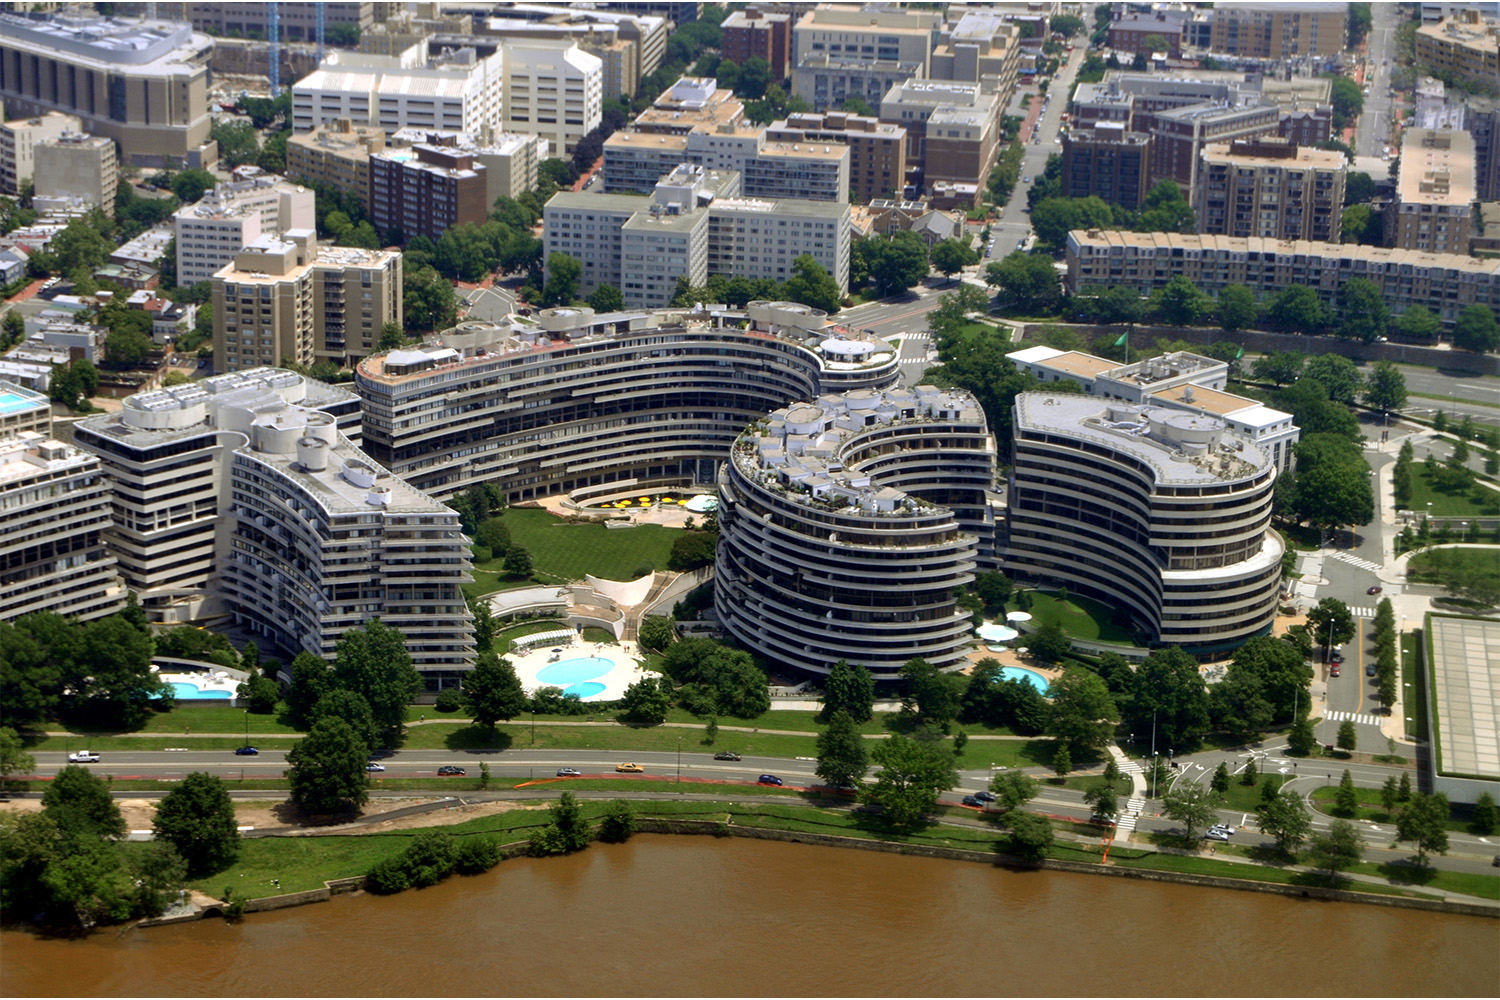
[[1080, 617], [1413, 691], [1456, 504], [561, 551], [1371, 809], [504, 637]]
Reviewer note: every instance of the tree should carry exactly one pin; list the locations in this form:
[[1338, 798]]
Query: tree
[[14, 330], [1050, 643], [1347, 100], [492, 692], [81, 806], [1424, 824], [812, 285], [237, 141], [13, 756], [1361, 224], [1330, 622], [353, 708], [1386, 388], [1013, 789], [197, 818], [1363, 314], [912, 774], [848, 689], [842, 757], [1338, 375], [606, 299], [110, 683], [1348, 738], [951, 256], [1285, 818], [571, 825], [1237, 308], [1280, 367], [259, 694], [692, 550], [1296, 308], [1477, 330], [1105, 800], [1220, 781], [1030, 836], [1341, 847], [1346, 798], [311, 680], [1419, 323], [1190, 804], [563, 275], [898, 263], [1358, 187], [494, 535], [374, 662], [934, 694], [518, 561], [159, 871], [1083, 713], [647, 701], [1485, 817], [1028, 283], [656, 632], [428, 301], [618, 823], [190, 185], [1301, 740], [1403, 788], [391, 337], [327, 773], [1181, 303], [1168, 690], [1238, 704]]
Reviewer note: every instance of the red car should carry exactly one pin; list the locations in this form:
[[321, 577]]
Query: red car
[[1373, 590], [1333, 671]]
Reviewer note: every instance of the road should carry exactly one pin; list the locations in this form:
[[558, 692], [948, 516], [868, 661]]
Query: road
[[1373, 132], [1476, 396]]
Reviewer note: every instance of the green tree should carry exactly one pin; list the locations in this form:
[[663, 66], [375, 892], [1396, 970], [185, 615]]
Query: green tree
[[327, 773], [1013, 789], [494, 535], [1168, 690], [1285, 818], [197, 818], [1363, 314], [1419, 323], [951, 256], [1340, 848], [1237, 309], [391, 337], [1190, 804], [1330, 622], [1220, 781], [563, 275], [1301, 740], [1030, 836], [1476, 330], [1180, 303], [311, 680], [1362, 225], [1329, 496], [1280, 367], [1346, 798], [1338, 375], [1050, 643], [848, 689], [81, 806], [518, 561], [428, 301], [1347, 99], [656, 632], [1386, 388], [647, 701], [110, 683], [1296, 309], [1424, 824], [1103, 797], [159, 871], [1485, 818], [1028, 283], [606, 299], [1389, 796], [1358, 187], [898, 263], [842, 757], [618, 823], [492, 692], [1083, 713], [1348, 737], [374, 662], [14, 329], [191, 185], [912, 775], [812, 285], [692, 550], [259, 694], [13, 756], [1062, 760], [934, 694], [1238, 704], [237, 141]]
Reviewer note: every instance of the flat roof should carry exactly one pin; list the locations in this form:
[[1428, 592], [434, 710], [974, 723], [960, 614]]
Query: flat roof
[[1466, 703], [1382, 257], [1209, 400], [1437, 168]]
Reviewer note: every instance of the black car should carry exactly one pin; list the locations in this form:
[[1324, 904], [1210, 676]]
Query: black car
[[1370, 669], [246, 752], [985, 796], [450, 769], [770, 779], [973, 800], [726, 755]]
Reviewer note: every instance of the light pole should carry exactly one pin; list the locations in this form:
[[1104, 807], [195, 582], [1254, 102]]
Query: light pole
[[679, 760], [247, 727]]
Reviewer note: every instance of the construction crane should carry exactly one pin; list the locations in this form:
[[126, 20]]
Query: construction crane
[[273, 32], [318, 27]]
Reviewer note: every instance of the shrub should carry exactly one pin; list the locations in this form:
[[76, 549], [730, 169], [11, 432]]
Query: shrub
[[618, 823], [389, 876], [449, 700], [429, 858], [475, 855]]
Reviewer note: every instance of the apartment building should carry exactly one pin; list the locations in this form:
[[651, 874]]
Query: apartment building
[[164, 453], [877, 150], [54, 508], [231, 217], [144, 85], [632, 46], [763, 237], [1130, 32], [601, 406], [1270, 187], [847, 525], [952, 129], [457, 91], [426, 189], [288, 298], [554, 90], [981, 46], [335, 153], [1482, 122], [77, 166], [825, 82], [18, 141], [1465, 47], [24, 410], [962, 145], [635, 161], [1106, 161], [1434, 205], [1280, 30], [693, 103], [752, 33], [1447, 284]]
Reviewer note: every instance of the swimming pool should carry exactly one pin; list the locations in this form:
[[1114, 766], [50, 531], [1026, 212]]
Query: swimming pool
[[1031, 677], [585, 690], [182, 689], [574, 671], [12, 401]]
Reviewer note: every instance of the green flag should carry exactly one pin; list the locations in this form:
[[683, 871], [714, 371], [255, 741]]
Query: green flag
[[1124, 339], [1239, 354]]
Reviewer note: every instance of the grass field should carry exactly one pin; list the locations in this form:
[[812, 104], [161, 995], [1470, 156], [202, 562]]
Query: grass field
[[1413, 691], [561, 551], [1476, 501], [1080, 617]]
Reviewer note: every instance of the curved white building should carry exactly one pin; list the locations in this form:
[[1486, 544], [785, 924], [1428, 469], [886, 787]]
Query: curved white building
[[585, 404], [1158, 511], [847, 523]]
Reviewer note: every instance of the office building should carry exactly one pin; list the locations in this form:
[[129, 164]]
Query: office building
[[1434, 204], [1447, 284], [1280, 31], [877, 150], [335, 153], [456, 91], [1439, 10], [1106, 161], [601, 406], [554, 90], [288, 298], [1463, 48], [1130, 33], [636, 44], [693, 103], [142, 84], [231, 217], [867, 35], [847, 525], [18, 141], [825, 82], [164, 453], [54, 507], [752, 33], [1162, 513], [952, 129], [298, 21], [675, 11], [1270, 187], [981, 46], [77, 166]]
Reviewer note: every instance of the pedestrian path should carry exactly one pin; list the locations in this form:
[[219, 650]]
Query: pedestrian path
[[1126, 820], [1354, 560], [1359, 717]]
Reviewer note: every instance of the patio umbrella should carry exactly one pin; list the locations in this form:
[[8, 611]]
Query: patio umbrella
[[1018, 616]]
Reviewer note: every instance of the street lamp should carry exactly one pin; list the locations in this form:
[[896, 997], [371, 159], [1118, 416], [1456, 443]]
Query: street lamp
[[247, 727], [679, 760]]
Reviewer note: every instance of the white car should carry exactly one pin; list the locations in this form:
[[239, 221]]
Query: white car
[[374, 766], [83, 757]]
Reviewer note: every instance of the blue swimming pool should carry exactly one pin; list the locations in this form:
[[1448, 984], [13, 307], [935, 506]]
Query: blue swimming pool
[[580, 668], [12, 401], [585, 690], [1031, 677], [184, 690]]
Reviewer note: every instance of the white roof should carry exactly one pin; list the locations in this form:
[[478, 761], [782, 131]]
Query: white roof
[[1035, 355]]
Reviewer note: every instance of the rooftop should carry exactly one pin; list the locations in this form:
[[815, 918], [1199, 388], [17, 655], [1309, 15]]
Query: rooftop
[[160, 47], [1261, 153], [29, 454], [1437, 168], [1382, 257], [1466, 706]]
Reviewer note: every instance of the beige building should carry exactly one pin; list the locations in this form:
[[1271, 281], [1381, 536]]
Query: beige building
[[230, 217], [1433, 208], [1280, 30], [865, 34], [288, 298], [1270, 187], [877, 149], [142, 84], [336, 153], [75, 165], [510, 159], [982, 46], [18, 141], [1465, 47], [554, 90]]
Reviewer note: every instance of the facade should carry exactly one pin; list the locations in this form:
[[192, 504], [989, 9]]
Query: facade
[[164, 453], [1129, 33], [1447, 284], [952, 129], [632, 46], [75, 165], [142, 84], [981, 46], [1272, 188], [1482, 122], [289, 298], [54, 508], [336, 153], [510, 159], [596, 406], [25, 410], [1180, 135], [877, 150], [1106, 161], [1434, 204], [426, 190], [554, 90], [1280, 30], [231, 217], [750, 33], [826, 82], [846, 525], [867, 35], [298, 20], [18, 141], [456, 91], [1465, 47], [1160, 512]]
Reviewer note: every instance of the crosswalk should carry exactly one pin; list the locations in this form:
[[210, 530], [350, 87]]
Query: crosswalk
[[1362, 612], [915, 361], [1354, 560], [915, 335], [1126, 820], [1358, 717]]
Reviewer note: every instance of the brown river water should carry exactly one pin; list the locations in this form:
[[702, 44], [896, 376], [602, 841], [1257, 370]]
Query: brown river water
[[690, 915]]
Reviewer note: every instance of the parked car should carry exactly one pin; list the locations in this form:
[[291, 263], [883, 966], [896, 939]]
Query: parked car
[[1224, 828], [985, 796], [449, 769], [1373, 590], [770, 779], [970, 800], [83, 757], [246, 752], [1333, 671], [1337, 656], [1216, 835], [374, 766], [630, 768], [1370, 669], [726, 755], [569, 772]]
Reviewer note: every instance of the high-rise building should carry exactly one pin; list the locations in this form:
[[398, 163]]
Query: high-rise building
[[18, 141], [981, 46], [298, 21], [1462, 48], [952, 129], [1106, 161], [1270, 187], [231, 217], [554, 90], [288, 298], [426, 190], [877, 150], [752, 33], [1280, 30], [457, 91], [142, 84], [1434, 203], [336, 153], [77, 166]]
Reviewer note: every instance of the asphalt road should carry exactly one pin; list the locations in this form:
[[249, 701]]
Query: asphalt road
[[1476, 396], [1373, 131]]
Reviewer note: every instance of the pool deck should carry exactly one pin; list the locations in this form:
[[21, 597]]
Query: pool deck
[[625, 672]]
